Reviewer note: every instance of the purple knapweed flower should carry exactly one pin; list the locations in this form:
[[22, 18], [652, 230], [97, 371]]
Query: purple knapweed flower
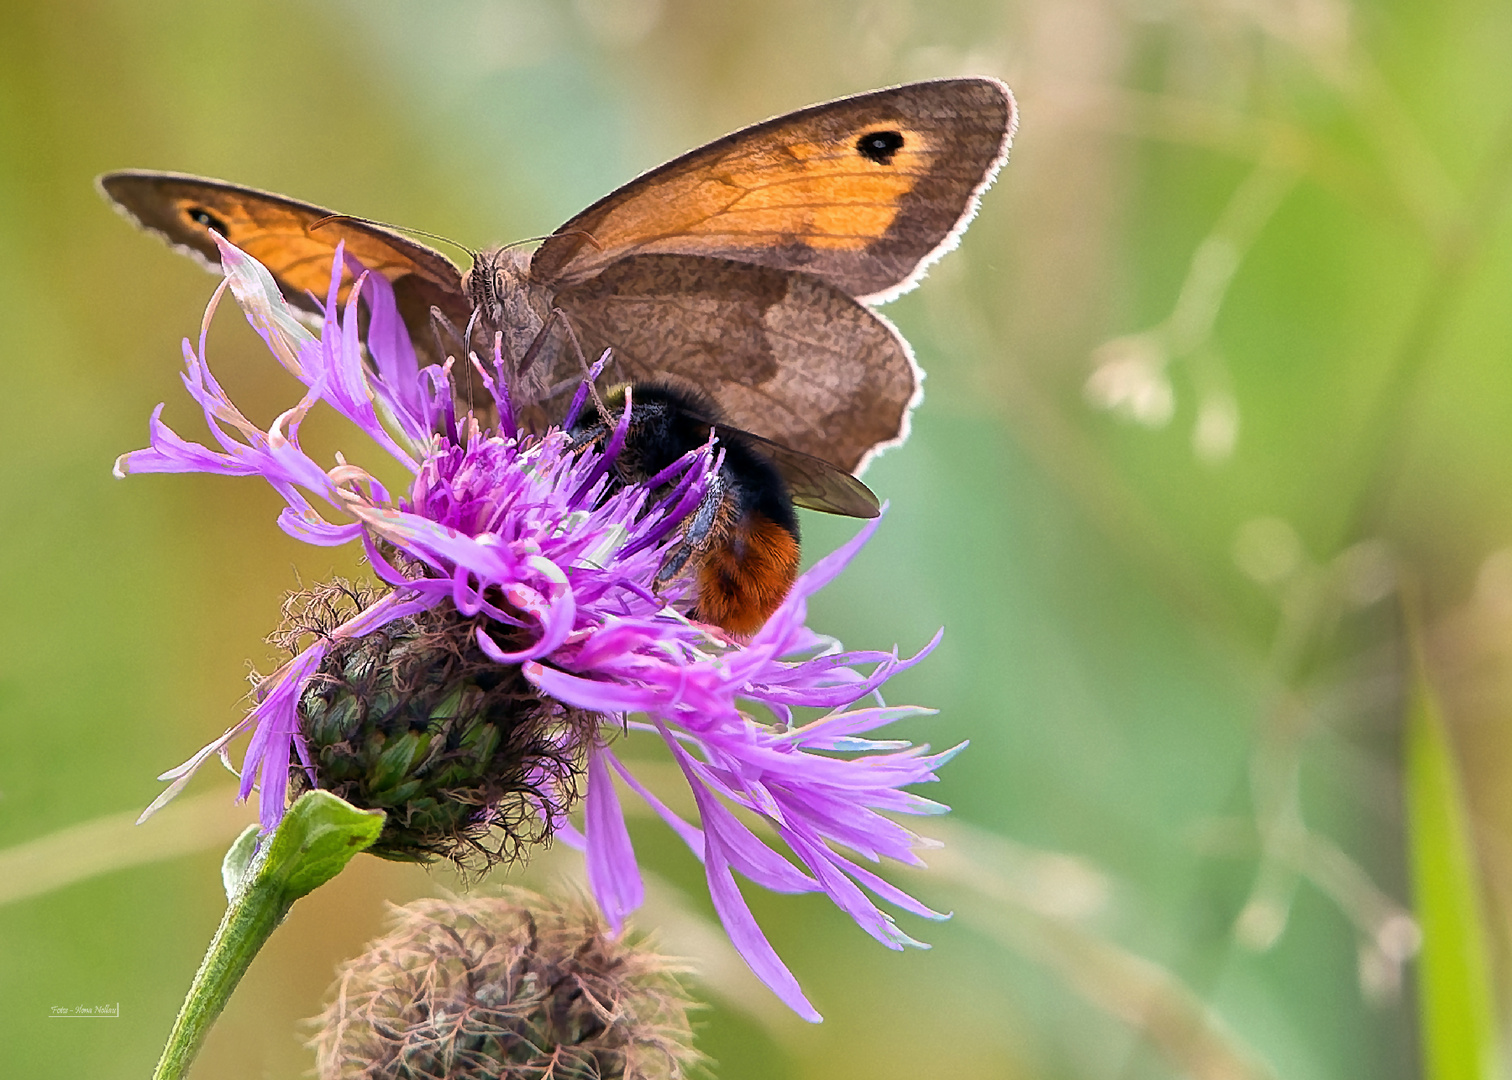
[[537, 571]]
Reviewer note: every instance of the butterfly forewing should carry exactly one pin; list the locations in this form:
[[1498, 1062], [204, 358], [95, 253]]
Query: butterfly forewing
[[862, 192], [292, 239]]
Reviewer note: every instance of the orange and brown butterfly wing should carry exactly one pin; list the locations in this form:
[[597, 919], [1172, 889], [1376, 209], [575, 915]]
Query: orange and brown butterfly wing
[[863, 192], [277, 231], [785, 356]]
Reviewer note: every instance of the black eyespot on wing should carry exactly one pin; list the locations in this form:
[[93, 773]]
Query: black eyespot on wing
[[200, 216], [880, 146]]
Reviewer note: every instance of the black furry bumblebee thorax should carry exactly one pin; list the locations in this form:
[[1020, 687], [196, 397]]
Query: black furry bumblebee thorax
[[667, 422]]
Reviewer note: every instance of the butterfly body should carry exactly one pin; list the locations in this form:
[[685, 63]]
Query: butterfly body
[[501, 292], [744, 268]]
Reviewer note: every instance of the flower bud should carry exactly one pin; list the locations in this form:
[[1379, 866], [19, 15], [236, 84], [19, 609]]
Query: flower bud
[[468, 759], [515, 987]]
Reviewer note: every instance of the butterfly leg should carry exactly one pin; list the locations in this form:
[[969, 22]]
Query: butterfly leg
[[444, 330], [539, 341], [557, 315]]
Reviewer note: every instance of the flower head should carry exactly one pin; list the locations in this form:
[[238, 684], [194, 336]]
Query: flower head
[[514, 559], [516, 987]]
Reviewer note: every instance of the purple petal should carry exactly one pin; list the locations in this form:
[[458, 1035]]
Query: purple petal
[[888, 891], [305, 524], [742, 847], [691, 835], [277, 720], [591, 694], [746, 935], [168, 452], [613, 874], [259, 297], [393, 355]]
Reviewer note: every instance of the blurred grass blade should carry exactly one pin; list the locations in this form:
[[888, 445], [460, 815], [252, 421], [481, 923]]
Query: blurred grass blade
[[1456, 1012], [114, 842]]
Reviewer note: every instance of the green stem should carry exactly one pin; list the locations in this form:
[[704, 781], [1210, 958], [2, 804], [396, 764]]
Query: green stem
[[249, 921], [317, 838]]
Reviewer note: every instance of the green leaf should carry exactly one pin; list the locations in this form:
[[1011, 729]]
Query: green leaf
[[238, 857], [1456, 1008], [317, 838], [319, 835]]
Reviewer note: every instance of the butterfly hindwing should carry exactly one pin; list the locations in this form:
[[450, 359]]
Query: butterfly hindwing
[[786, 356]]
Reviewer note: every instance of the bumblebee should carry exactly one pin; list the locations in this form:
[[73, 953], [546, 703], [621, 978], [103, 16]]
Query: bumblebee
[[741, 543]]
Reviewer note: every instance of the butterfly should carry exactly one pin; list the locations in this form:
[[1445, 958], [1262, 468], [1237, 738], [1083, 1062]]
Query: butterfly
[[742, 271]]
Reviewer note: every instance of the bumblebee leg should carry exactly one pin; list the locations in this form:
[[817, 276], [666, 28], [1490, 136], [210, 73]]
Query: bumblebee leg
[[703, 529], [589, 435]]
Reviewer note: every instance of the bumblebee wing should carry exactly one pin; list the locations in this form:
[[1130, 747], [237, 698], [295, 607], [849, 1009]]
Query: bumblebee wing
[[813, 483]]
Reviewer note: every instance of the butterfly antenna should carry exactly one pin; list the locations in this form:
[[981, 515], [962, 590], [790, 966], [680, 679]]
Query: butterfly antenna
[[329, 218], [584, 233]]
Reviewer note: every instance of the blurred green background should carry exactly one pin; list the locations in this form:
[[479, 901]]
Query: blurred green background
[[1221, 374]]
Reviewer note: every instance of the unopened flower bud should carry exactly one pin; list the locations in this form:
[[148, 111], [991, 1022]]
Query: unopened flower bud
[[468, 759], [515, 987]]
